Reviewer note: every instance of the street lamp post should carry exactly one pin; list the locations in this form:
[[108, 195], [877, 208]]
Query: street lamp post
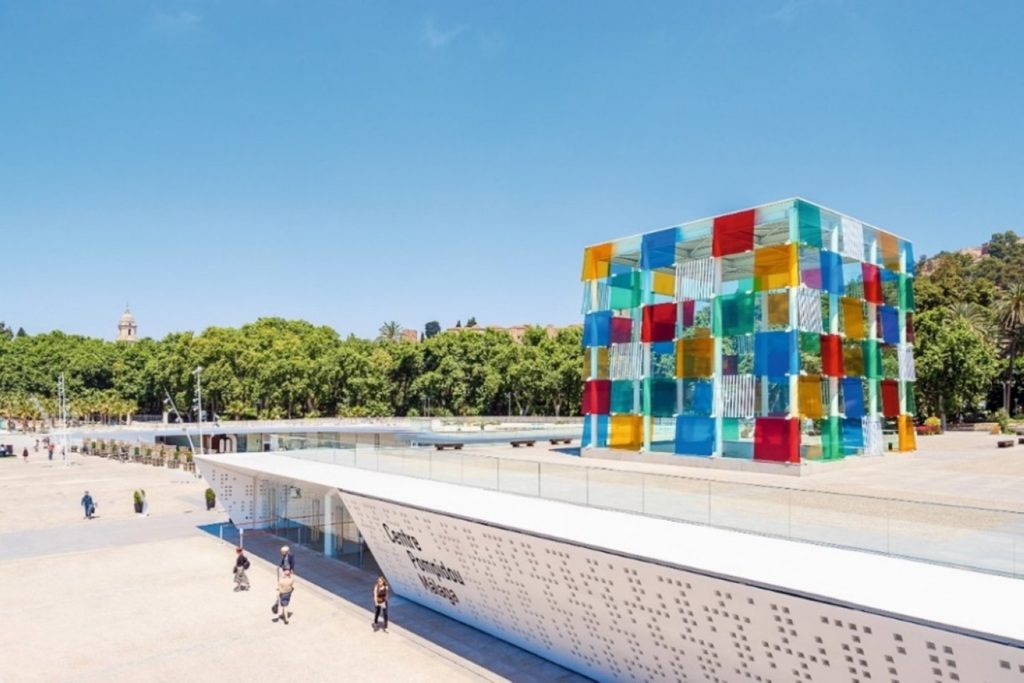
[[198, 372], [170, 402]]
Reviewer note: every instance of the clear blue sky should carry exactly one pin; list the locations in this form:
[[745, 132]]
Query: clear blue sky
[[350, 163]]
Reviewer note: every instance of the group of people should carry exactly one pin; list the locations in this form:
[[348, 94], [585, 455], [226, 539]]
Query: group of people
[[286, 586], [48, 445]]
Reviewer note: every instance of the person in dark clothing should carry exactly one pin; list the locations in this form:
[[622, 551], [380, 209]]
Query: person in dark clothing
[[241, 565], [24, 454], [380, 601], [89, 505], [287, 559]]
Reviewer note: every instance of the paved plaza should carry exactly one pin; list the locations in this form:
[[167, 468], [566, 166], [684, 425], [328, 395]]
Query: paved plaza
[[126, 598]]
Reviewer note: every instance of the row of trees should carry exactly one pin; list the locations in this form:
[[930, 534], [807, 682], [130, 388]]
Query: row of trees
[[275, 368], [969, 329]]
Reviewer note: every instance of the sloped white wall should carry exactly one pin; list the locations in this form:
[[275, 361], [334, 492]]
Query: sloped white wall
[[618, 618]]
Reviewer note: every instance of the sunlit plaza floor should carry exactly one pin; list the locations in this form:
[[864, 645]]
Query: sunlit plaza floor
[[130, 598]]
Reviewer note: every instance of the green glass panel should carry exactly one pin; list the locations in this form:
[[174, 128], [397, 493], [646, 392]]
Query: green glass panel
[[872, 360], [734, 314], [622, 396], [809, 217], [625, 290], [831, 439], [906, 292], [810, 342], [908, 388], [731, 429]]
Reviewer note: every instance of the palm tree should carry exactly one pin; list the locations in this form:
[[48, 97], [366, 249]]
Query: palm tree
[[1011, 323], [389, 331], [975, 316]]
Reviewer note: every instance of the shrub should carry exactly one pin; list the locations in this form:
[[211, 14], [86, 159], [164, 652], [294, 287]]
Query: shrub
[[933, 424], [1003, 419]]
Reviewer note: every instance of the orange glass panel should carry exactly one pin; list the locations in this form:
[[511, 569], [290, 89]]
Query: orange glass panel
[[597, 261], [853, 318], [776, 267], [908, 437], [889, 250], [778, 309], [853, 360], [810, 397], [695, 357], [664, 283], [602, 364], [626, 432]]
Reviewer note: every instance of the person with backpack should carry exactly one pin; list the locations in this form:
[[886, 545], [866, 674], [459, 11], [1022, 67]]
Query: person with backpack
[[241, 565], [380, 601], [89, 504]]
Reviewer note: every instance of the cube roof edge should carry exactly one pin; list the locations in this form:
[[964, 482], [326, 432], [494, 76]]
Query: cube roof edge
[[706, 219]]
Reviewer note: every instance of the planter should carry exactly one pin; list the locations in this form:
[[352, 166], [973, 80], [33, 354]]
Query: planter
[[210, 504], [138, 508]]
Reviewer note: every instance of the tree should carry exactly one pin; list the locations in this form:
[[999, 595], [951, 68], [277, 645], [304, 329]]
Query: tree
[[1011, 324], [6, 333], [431, 329], [955, 364], [471, 322], [390, 331], [22, 332], [458, 323]]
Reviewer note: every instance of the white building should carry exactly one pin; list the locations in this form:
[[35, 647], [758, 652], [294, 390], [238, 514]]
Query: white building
[[582, 566]]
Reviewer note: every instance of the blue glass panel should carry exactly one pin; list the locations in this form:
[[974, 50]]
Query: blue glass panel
[[853, 435], [597, 329], [775, 354], [832, 272], [853, 397], [890, 324], [602, 432], [695, 435], [659, 249], [697, 395]]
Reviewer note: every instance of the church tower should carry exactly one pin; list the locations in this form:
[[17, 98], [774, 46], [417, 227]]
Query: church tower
[[127, 329]]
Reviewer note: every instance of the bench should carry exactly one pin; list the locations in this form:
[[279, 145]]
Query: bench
[[1020, 439], [1005, 443], [558, 441], [442, 446], [517, 444]]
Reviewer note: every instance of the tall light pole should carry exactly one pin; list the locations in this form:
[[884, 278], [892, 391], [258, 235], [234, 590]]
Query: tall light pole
[[62, 408], [198, 372], [170, 402]]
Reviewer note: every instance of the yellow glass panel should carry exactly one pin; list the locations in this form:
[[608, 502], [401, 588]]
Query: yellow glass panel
[[694, 357], [602, 364], [908, 437], [810, 397], [664, 283], [778, 309], [775, 267], [889, 250], [597, 261], [626, 432], [853, 318], [853, 360]]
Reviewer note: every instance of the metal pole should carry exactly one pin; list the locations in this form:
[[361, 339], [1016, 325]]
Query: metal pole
[[198, 372]]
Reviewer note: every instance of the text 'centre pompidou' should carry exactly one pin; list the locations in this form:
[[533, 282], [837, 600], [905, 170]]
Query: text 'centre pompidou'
[[776, 333]]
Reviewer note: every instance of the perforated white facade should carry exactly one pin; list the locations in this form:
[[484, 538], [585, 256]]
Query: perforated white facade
[[613, 617], [618, 596]]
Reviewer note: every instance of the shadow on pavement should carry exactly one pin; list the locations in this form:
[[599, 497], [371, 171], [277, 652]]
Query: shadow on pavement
[[354, 585]]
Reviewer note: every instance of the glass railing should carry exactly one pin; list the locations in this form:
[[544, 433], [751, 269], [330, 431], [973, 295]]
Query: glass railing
[[975, 538]]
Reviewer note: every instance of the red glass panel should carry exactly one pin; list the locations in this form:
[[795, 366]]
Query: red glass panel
[[890, 398], [777, 439], [832, 355], [659, 323], [733, 233], [597, 397]]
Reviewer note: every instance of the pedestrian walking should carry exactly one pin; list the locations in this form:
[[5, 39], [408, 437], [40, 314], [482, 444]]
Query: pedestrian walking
[[24, 454], [380, 601], [49, 451], [285, 587], [287, 560], [89, 504], [241, 565]]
